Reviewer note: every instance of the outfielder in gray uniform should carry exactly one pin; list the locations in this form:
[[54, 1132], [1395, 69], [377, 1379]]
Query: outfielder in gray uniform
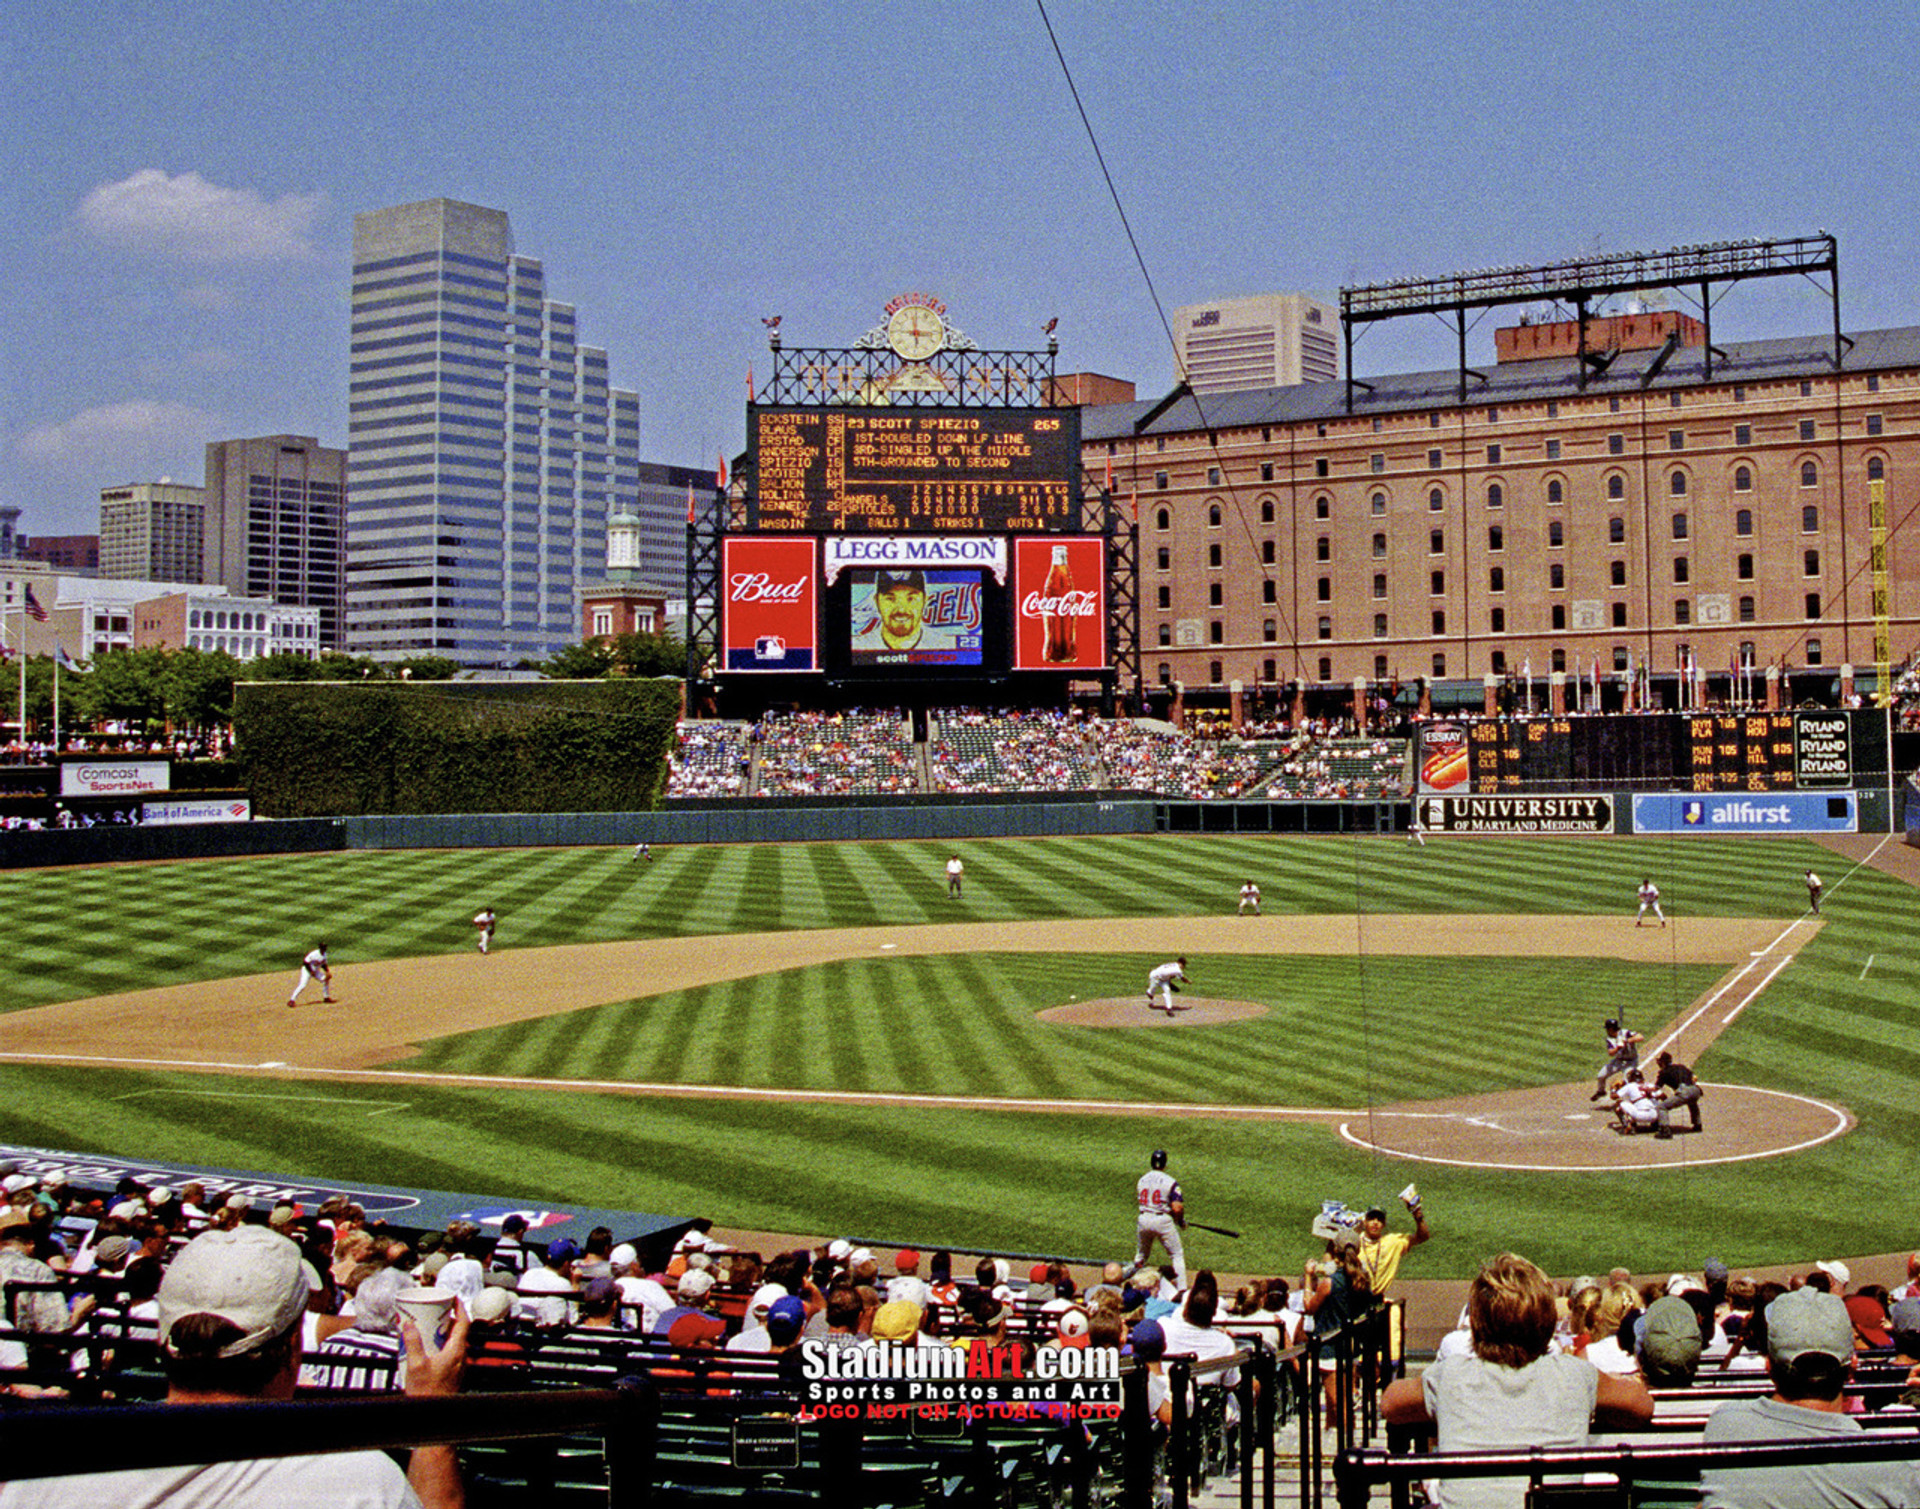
[[1162, 1213]]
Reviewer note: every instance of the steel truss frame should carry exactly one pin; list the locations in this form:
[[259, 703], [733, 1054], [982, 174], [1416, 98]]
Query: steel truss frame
[[1582, 281]]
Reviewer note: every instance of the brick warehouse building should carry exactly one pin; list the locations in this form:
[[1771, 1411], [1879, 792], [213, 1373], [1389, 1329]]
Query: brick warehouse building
[[1649, 513]]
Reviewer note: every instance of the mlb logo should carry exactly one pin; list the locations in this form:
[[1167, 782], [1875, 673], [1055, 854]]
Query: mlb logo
[[1693, 814], [769, 647]]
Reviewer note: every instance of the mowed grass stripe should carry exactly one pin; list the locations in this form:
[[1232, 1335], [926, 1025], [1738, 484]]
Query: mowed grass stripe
[[956, 1024]]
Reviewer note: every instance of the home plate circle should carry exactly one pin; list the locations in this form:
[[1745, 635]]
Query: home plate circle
[[1539, 1129], [1133, 1011]]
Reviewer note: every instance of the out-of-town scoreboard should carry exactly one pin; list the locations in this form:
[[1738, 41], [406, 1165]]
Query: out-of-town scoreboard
[[1704, 752]]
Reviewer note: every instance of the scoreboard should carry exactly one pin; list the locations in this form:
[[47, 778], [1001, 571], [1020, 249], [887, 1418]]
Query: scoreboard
[[1702, 752], [1741, 752], [886, 470]]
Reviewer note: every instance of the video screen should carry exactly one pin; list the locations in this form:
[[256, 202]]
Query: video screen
[[915, 617]]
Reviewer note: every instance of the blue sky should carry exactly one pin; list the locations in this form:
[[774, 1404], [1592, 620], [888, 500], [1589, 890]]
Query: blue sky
[[176, 210]]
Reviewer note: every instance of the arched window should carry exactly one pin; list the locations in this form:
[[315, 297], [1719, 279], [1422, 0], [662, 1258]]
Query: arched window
[[1378, 503], [1266, 510], [1163, 521], [1436, 500], [1555, 493], [1809, 474], [1269, 631], [1616, 485], [1213, 516], [1743, 479], [1743, 521], [1876, 469], [1496, 495], [1677, 484]]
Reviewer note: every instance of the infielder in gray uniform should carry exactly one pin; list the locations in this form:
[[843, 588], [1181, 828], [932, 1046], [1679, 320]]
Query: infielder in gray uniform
[[1162, 1213]]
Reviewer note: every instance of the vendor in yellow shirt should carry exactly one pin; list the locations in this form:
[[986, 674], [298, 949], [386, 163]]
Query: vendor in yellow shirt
[[1381, 1251]]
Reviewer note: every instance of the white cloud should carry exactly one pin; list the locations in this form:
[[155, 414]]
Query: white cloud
[[113, 430], [187, 217]]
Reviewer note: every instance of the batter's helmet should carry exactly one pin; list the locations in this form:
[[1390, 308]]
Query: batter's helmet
[[1159, 1159]]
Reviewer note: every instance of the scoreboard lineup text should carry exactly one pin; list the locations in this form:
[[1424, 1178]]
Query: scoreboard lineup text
[[852, 471], [1704, 752]]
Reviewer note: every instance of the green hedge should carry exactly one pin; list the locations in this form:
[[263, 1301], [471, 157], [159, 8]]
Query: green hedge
[[332, 749]]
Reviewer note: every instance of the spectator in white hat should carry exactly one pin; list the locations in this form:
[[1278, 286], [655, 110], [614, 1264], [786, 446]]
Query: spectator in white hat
[[230, 1309]]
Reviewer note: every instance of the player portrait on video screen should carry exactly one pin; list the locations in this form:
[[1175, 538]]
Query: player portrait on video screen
[[915, 617]]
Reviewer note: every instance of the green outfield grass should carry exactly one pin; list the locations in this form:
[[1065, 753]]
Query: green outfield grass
[[1836, 1024]]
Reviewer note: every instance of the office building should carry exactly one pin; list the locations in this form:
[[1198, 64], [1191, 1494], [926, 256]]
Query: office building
[[486, 446], [1542, 515], [153, 531], [1270, 340], [10, 538], [73, 554], [275, 524], [209, 619]]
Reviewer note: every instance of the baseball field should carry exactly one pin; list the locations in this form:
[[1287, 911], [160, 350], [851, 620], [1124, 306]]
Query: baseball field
[[815, 1038]]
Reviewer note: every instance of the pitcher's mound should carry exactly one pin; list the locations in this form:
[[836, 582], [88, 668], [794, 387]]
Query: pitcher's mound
[[1133, 1011]]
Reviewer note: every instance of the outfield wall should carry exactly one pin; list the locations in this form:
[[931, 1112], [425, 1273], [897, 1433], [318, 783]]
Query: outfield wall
[[746, 821]]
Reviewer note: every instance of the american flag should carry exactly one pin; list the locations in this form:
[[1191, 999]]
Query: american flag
[[34, 611]]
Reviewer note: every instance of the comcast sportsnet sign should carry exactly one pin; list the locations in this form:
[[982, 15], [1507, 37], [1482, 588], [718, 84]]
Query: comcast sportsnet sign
[[1059, 604], [769, 614]]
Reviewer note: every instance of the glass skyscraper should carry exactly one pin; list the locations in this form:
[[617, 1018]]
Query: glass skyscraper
[[486, 445]]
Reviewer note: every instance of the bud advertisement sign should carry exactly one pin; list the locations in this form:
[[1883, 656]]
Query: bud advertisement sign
[[1059, 604], [769, 615]]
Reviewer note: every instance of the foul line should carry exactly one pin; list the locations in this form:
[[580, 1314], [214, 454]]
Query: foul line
[[693, 1092], [390, 1106]]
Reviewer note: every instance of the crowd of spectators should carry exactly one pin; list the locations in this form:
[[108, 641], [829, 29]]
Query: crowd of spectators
[[974, 750], [709, 759], [853, 753], [317, 1303], [998, 751]]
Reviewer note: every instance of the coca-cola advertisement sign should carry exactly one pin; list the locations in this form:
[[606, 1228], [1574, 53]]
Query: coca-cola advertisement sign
[[769, 612], [1059, 604]]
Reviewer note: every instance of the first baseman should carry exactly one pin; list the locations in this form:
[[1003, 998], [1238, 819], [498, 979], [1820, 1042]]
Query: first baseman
[[314, 967], [1249, 898], [1649, 898]]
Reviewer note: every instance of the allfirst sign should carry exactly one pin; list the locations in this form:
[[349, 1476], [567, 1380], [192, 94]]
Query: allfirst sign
[[114, 778], [1755, 812]]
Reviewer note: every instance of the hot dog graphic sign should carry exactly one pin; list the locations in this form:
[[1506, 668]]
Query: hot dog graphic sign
[[1444, 760]]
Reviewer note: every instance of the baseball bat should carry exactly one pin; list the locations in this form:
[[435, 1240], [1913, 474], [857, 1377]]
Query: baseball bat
[[1224, 1231]]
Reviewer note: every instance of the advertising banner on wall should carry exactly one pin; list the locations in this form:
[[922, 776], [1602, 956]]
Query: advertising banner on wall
[[1443, 757], [1571, 813], [1059, 604], [114, 777], [1752, 812], [212, 809], [770, 613]]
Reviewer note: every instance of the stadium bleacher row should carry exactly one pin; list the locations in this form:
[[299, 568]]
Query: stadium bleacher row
[[695, 1388], [977, 751]]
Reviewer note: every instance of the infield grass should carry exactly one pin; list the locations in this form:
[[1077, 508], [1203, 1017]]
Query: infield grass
[[1838, 1024]]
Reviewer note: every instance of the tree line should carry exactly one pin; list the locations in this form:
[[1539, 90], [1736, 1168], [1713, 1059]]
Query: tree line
[[191, 691]]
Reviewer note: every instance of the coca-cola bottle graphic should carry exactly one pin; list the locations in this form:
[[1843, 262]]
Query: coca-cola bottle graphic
[[1056, 612]]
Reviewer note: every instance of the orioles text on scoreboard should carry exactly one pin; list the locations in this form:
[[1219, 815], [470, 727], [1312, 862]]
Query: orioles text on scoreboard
[[833, 471]]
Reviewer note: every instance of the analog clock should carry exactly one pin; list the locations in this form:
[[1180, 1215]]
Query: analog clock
[[916, 332]]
